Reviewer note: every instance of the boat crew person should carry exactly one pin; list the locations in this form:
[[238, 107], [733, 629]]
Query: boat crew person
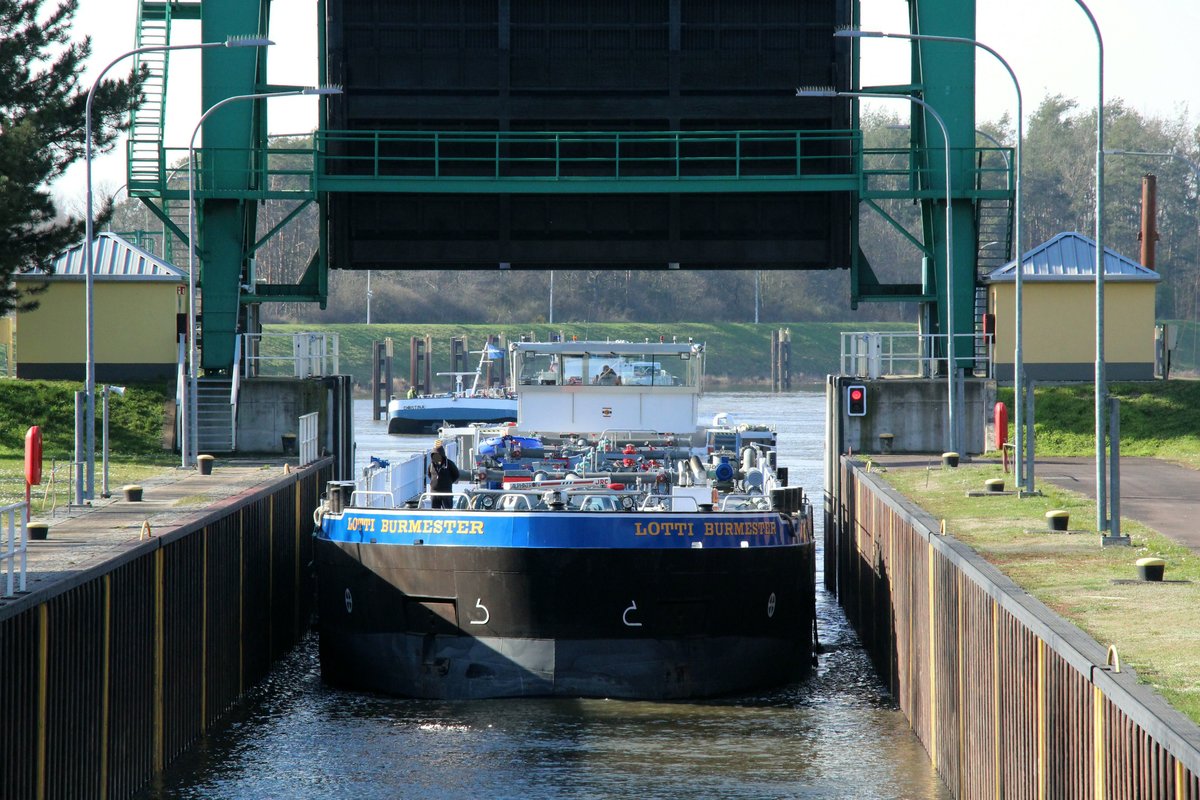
[[443, 473], [412, 393], [607, 377]]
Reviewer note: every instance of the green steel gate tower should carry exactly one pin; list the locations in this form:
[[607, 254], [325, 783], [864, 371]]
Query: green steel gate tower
[[764, 157]]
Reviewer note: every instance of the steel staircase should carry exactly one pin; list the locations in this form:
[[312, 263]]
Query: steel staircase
[[214, 415], [146, 131], [979, 369], [994, 226], [993, 215]]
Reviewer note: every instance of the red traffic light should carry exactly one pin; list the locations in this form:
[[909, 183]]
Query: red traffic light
[[856, 400]]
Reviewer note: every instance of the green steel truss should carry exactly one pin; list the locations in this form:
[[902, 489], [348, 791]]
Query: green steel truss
[[236, 170]]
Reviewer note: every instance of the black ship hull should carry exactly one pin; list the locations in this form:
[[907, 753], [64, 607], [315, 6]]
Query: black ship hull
[[478, 622]]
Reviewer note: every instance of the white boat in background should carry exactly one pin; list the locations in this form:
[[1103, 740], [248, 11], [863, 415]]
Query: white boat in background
[[427, 413]]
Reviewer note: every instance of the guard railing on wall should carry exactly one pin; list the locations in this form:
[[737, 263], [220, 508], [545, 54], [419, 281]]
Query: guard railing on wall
[[912, 355], [292, 355], [308, 438], [13, 543]]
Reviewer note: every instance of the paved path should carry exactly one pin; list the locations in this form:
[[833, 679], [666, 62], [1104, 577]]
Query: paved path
[[1162, 495], [83, 537]]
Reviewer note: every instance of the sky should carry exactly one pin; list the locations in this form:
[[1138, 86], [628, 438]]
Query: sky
[[1152, 62]]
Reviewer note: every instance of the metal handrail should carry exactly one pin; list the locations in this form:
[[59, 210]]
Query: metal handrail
[[234, 389], [550, 158], [308, 354], [877, 353], [357, 493], [12, 547]]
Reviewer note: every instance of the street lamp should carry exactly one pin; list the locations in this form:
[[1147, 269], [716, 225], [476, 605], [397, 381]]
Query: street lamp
[[1194, 166], [1101, 388], [1020, 440], [89, 225], [952, 419], [190, 409]]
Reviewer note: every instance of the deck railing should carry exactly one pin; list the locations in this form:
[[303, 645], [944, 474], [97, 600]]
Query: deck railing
[[887, 354]]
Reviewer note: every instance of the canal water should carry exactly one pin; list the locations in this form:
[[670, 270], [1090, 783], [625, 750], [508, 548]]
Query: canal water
[[837, 734]]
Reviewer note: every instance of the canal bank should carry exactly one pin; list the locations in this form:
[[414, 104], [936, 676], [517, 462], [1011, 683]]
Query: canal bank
[[144, 622], [1007, 697]]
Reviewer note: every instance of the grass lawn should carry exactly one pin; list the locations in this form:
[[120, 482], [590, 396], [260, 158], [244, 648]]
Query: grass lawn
[[56, 489], [1155, 626], [1160, 419], [135, 438]]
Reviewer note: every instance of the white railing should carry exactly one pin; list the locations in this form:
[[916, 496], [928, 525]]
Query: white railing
[[308, 438], [235, 386], [294, 355], [13, 544], [403, 480], [875, 355]]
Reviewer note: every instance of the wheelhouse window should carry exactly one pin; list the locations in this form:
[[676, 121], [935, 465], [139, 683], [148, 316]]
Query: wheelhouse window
[[536, 368]]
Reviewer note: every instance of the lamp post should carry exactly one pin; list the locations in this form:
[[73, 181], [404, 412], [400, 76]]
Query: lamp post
[[191, 424], [951, 414], [89, 225], [1020, 440], [1101, 387]]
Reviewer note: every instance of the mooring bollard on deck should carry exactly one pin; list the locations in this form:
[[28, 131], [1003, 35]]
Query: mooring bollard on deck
[[1057, 520], [994, 485], [885, 443], [205, 464], [37, 530], [133, 493], [950, 459]]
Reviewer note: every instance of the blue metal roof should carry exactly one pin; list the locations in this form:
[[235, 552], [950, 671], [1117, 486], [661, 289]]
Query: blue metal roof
[[1071, 257], [113, 258]]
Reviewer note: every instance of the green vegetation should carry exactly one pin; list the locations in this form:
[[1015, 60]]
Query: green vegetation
[[42, 132], [135, 437], [737, 353], [1159, 419], [1073, 575]]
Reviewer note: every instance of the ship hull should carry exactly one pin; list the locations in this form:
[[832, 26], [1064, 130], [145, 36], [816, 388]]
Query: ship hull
[[460, 622], [427, 415]]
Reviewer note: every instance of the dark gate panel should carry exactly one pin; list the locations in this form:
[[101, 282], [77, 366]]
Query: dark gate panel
[[583, 66]]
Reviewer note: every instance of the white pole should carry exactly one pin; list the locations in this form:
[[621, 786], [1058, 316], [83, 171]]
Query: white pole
[[951, 414], [551, 297], [191, 406], [1101, 385], [89, 227]]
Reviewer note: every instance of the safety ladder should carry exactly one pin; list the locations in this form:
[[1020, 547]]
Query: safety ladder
[[146, 129]]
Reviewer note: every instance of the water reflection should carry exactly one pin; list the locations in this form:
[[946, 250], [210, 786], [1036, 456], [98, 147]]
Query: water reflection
[[835, 735]]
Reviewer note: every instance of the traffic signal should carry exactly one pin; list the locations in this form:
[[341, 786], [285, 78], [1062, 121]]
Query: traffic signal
[[856, 400]]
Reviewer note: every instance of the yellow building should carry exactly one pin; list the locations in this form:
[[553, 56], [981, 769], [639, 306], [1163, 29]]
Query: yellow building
[[1058, 313], [139, 304]]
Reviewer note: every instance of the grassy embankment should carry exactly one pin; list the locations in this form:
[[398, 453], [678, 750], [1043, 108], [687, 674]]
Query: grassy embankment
[[135, 438], [1156, 627], [737, 353]]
